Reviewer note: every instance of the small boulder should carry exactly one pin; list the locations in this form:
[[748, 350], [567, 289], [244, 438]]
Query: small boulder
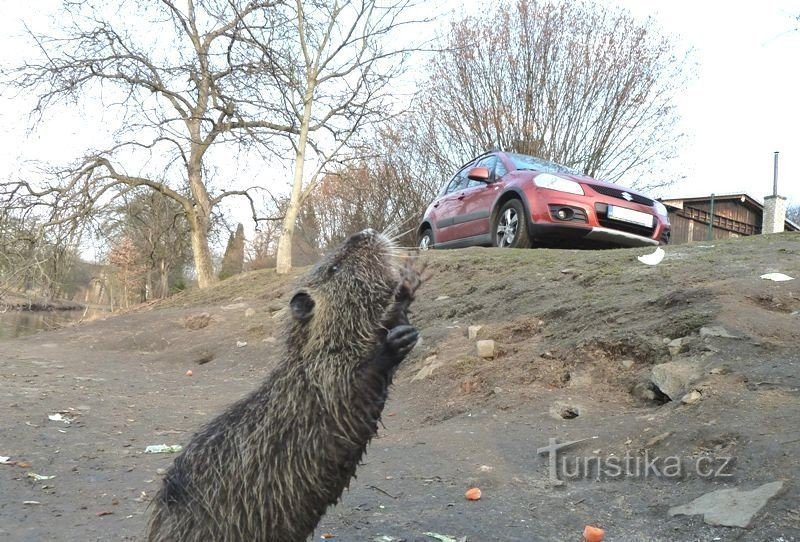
[[676, 345], [675, 377], [729, 507], [691, 398], [431, 364], [472, 332], [486, 349], [627, 363]]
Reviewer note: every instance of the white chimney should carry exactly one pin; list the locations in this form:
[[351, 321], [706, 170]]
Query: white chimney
[[774, 214]]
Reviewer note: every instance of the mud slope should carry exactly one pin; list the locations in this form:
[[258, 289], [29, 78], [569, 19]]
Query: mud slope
[[577, 336]]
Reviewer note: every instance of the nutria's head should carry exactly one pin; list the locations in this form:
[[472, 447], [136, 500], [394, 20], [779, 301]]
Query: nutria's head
[[340, 303]]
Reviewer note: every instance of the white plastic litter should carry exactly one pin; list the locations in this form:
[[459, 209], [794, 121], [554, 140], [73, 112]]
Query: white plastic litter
[[777, 277], [163, 449], [653, 258], [4, 459], [39, 477], [58, 417]]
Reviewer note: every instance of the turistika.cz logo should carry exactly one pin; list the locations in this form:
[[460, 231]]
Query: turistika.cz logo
[[644, 465]]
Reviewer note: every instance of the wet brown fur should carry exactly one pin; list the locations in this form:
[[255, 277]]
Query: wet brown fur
[[268, 467]]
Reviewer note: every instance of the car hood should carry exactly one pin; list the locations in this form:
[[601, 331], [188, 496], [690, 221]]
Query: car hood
[[591, 181]]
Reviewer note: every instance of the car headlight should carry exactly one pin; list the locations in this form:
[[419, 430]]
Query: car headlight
[[554, 182], [660, 208]]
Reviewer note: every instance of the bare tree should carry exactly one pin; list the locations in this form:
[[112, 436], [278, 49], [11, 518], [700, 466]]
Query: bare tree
[[179, 77], [793, 214], [574, 82], [159, 236], [328, 62], [387, 188]]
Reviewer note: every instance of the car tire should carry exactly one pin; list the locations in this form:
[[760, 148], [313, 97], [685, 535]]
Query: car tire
[[510, 229], [425, 239]]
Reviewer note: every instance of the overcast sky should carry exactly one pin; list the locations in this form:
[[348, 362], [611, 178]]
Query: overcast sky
[[742, 106]]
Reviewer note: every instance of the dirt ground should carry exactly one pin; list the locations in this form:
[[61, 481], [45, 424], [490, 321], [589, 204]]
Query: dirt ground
[[577, 335]]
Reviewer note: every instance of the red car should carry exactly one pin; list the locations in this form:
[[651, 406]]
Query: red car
[[513, 200]]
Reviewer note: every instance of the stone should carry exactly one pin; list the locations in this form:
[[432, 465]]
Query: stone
[[729, 507], [472, 332], [486, 349], [675, 377], [717, 331], [442, 297], [628, 363], [675, 346], [431, 364], [241, 344], [250, 312], [644, 391], [269, 340], [691, 398], [233, 306]]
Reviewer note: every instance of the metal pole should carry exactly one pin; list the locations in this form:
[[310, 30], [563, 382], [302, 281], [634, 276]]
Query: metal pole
[[775, 176], [711, 220]]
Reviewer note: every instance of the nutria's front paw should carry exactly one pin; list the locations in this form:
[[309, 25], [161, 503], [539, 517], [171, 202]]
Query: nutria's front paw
[[401, 340]]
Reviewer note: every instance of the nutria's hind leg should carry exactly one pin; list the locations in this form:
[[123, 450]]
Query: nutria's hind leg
[[398, 343]]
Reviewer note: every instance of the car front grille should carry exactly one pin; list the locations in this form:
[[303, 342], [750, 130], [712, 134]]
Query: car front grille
[[616, 193]]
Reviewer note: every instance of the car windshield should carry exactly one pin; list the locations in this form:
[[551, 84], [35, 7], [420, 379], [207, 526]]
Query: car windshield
[[523, 161]]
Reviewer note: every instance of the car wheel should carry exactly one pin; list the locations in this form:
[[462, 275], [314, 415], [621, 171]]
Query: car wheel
[[511, 227], [426, 239]]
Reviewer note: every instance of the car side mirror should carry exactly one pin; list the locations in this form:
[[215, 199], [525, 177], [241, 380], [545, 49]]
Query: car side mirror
[[479, 174]]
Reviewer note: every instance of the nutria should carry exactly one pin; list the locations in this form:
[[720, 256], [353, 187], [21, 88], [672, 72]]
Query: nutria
[[268, 468]]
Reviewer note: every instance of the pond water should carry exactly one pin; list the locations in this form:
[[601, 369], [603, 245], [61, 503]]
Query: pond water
[[19, 323]]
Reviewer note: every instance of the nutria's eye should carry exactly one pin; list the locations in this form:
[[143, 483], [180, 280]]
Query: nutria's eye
[[302, 306], [333, 269]]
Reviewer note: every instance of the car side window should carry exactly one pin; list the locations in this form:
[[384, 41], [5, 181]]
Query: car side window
[[499, 170]]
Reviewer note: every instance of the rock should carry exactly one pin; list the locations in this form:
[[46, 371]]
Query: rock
[[241, 344], [233, 306], [565, 411], [250, 312], [675, 377], [691, 398], [486, 349], [442, 297], [729, 507], [717, 331], [675, 346], [486, 468], [269, 340], [472, 332], [627, 363], [720, 371], [161, 472], [431, 364], [197, 321]]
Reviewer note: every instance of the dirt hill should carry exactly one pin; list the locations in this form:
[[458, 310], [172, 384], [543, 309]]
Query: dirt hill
[[697, 359]]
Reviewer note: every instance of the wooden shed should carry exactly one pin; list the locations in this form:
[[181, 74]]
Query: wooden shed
[[735, 215]]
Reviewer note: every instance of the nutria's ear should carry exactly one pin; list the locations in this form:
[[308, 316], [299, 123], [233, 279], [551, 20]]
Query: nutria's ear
[[302, 306]]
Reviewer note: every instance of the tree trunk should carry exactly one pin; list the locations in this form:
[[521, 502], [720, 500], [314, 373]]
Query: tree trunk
[[283, 262], [203, 264], [199, 218]]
